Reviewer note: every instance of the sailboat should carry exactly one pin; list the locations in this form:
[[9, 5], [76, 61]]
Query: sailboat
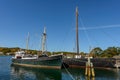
[[78, 62], [41, 61]]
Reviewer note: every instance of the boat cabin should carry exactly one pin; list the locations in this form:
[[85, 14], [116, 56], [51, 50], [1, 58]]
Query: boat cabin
[[23, 55], [19, 54]]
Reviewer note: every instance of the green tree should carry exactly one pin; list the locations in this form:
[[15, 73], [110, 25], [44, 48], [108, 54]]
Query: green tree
[[110, 52], [34, 52], [6, 50], [82, 53], [96, 52]]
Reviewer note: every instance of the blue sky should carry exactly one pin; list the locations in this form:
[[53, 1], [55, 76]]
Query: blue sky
[[99, 23]]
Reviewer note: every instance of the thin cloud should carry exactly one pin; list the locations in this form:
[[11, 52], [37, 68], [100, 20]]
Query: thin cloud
[[100, 27]]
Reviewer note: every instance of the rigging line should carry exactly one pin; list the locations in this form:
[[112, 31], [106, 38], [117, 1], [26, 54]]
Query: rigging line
[[65, 38], [96, 42], [111, 38], [85, 31], [40, 46], [101, 27], [46, 49], [69, 73]]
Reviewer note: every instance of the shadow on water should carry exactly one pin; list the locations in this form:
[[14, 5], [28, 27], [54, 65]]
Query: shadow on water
[[110, 74], [25, 73], [75, 74], [100, 74]]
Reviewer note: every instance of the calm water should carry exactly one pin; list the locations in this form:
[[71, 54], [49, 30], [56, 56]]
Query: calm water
[[9, 72]]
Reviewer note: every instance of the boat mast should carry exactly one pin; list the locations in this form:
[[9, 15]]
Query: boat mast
[[27, 42], [77, 38], [43, 41]]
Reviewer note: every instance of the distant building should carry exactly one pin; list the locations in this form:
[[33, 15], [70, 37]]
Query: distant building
[[7, 53], [1, 53], [72, 55], [77, 56], [117, 56]]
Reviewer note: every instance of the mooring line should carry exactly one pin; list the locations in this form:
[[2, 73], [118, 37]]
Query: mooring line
[[69, 73]]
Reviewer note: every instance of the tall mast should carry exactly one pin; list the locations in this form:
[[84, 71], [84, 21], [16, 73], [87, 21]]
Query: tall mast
[[77, 38], [27, 42], [43, 41]]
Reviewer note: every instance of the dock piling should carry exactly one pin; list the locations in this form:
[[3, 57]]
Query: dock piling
[[92, 70], [89, 71]]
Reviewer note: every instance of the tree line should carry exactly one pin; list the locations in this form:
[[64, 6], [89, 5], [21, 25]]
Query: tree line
[[109, 52], [95, 52], [11, 51]]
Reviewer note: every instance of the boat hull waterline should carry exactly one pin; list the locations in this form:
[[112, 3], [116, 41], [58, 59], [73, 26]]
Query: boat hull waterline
[[97, 62], [42, 62]]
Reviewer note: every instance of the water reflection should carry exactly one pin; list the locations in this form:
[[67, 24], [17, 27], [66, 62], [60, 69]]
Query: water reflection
[[110, 74], [100, 74], [89, 78], [8, 72], [73, 74], [25, 73]]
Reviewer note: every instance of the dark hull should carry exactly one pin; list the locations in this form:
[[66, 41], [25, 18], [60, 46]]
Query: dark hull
[[42, 62], [97, 62]]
